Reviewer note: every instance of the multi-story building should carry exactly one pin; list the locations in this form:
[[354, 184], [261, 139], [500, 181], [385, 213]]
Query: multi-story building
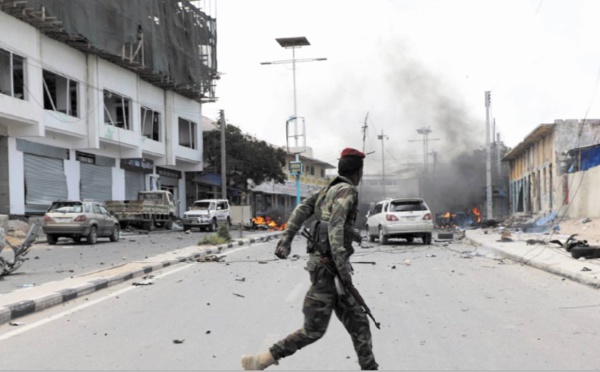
[[100, 100], [539, 179]]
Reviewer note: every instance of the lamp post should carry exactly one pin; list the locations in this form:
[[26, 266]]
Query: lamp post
[[293, 43], [382, 137]]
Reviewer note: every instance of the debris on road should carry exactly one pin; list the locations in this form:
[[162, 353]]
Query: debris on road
[[586, 269], [407, 262], [239, 295], [15, 324], [210, 258], [178, 341], [241, 280], [144, 282]]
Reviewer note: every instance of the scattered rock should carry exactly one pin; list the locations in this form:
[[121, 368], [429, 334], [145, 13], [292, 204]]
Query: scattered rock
[[178, 341]]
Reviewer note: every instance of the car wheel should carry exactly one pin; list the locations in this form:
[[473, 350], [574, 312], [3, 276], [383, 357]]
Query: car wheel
[[371, 237], [427, 239], [116, 234], [213, 225], [186, 227], [52, 239], [410, 240], [76, 238], [92, 237], [382, 238], [169, 225], [229, 222]]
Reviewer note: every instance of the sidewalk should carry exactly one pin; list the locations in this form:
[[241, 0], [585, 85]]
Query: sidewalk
[[550, 257], [26, 301]]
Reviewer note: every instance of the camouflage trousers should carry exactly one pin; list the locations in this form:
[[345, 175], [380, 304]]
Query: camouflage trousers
[[319, 303]]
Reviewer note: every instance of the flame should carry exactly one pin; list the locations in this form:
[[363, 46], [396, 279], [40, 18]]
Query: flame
[[477, 213], [269, 223]]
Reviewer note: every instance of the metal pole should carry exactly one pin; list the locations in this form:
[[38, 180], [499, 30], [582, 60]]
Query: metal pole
[[223, 156], [382, 137], [489, 156], [296, 125]]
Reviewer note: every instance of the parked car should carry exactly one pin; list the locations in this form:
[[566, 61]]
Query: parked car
[[405, 218], [207, 214], [79, 219]]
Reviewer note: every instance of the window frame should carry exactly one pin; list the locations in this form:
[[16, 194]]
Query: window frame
[[53, 101], [192, 132], [12, 89]]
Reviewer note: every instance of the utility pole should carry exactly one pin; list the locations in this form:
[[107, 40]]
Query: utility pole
[[425, 132], [382, 137], [223, 155], [488, 167], [364, 129]]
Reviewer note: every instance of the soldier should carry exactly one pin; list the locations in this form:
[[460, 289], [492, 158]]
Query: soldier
[[336, 204]]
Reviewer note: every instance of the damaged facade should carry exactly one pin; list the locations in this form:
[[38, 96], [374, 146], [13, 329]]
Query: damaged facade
[[101, 99], [539, 170]]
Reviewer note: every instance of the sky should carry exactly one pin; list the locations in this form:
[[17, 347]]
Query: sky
[[395, 66]]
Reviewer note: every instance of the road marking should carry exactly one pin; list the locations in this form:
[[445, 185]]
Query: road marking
[[296, 292], [39, 323]]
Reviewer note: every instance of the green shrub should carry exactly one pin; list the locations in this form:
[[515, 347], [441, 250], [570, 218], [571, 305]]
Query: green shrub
[[223, 232], [221, 237]]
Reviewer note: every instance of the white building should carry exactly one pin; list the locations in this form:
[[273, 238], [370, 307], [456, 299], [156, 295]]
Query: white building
[[98, 106]]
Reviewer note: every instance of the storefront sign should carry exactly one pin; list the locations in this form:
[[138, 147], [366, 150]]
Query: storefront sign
[[168, 172], [138, 164]]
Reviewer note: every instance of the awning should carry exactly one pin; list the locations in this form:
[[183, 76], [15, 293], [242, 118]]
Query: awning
[[213, 179]]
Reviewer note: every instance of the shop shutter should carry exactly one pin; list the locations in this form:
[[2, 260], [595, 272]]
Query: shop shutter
[[134, 183], [45, 182], [96, 182]]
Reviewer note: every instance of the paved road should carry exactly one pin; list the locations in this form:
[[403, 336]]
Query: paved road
[[441, 308], [66, 259]]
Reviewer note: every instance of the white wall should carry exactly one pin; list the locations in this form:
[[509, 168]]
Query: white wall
[[584, 198], [16, 178]]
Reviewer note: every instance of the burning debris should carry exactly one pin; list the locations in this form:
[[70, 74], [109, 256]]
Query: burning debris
[[462, 219], [267, 223]]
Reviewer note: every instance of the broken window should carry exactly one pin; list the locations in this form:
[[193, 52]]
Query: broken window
[[151, 124], [12, 74], [117, 110], [187, 133], [60, 93]]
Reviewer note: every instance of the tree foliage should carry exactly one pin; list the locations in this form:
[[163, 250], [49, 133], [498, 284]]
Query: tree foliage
[[246, 158]]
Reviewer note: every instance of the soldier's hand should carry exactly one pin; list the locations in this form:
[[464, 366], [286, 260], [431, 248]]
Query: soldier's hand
[[283, 249]]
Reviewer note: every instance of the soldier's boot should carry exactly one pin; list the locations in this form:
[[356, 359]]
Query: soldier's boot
[[258, 362]]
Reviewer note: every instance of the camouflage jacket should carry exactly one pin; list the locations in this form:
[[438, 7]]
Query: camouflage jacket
[[337, 204]]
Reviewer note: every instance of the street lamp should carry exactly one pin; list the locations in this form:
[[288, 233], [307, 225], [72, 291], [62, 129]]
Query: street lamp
[[293, 43]]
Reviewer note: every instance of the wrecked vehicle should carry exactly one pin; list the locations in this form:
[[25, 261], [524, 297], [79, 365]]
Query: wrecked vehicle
[[19, 252], [579, 248]]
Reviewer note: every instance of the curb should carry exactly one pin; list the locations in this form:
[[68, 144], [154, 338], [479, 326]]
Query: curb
[[22, 308], [577, 277]]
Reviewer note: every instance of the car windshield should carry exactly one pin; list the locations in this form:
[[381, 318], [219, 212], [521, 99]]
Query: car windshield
[[202, 206], [407, 206], [66, 208]]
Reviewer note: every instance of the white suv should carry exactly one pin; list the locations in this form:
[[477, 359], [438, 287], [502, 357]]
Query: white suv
[[207, 214], [406, 218]]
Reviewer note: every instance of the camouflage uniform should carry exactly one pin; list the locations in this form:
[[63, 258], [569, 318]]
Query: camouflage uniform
[[336, 204]]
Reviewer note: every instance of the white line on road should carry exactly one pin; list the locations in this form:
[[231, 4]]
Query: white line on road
[[98, 300]]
